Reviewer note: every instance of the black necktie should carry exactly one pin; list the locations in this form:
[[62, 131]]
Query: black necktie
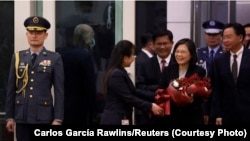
[[234, 68], [211, 54], [34, 55]]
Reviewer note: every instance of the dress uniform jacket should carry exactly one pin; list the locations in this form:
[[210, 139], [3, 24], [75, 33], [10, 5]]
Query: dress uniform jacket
[[203, 57], [120, 98], [34, 104], [232, 100]]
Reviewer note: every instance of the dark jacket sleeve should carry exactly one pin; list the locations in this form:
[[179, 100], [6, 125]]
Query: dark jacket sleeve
[[123, 87], [11, 91], [58, 79]]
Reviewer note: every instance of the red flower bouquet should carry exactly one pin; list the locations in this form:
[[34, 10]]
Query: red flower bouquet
[[183, 90], [163, 100], [179, 96]]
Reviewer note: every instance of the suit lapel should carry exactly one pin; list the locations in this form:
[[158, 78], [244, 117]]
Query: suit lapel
[[129, 81], [227, 68], [190, 71], [219, 51], [206, 55], [156, 66], [244, 61], [172, 60]]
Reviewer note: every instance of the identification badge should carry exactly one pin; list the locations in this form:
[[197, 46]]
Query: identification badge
[[125, 121]]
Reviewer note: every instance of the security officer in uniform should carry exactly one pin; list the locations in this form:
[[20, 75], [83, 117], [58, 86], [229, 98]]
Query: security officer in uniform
[[33, 72], [213, 37]]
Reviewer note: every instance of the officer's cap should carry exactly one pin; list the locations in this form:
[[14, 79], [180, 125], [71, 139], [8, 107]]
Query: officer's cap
[[36, 23], [213, 26]]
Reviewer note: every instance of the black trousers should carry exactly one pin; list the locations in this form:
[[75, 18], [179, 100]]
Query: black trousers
[[23, 132]]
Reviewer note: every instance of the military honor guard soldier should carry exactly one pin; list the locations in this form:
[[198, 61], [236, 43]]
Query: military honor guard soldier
[[213, 37], [33, 72]]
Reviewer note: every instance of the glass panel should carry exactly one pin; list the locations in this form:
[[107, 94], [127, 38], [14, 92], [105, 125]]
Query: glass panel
[[242, 8], [6, 45], [206, 10], [149, 15], [6, 51], [224, 11], [101, 16]]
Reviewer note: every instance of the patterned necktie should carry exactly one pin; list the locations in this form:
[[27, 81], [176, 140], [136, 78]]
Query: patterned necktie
[[163, 64], [234, 68], [34, 55], [211, 54]]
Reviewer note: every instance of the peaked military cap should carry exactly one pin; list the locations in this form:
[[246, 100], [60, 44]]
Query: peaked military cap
[[213, 26], [36, 23]]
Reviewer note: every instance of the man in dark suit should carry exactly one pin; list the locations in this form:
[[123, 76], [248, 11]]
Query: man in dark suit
[[148, 77], [80, 88], [33, 72], [247, 37], [146, 52], [232, 79], [205, 54]]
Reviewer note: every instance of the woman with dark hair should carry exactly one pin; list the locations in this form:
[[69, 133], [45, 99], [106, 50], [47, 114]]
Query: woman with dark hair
[[185, 57], [120, 91]]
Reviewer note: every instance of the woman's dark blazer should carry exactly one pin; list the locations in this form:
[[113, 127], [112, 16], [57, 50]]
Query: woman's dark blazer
[[120, 98], [191, 114]]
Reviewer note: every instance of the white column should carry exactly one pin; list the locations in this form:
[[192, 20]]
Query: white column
[[179, 19], [129, 30], [22, 11], [129, 34]]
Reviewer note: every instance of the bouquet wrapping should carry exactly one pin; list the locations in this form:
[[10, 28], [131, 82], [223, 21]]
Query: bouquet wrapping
[[179, 96], [163, 100], [181, 91], [184, 89]]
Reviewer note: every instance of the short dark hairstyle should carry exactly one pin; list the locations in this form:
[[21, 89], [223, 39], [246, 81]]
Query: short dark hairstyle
[[162, 32], [145, 38], [238, 29], [246, 25], [191, 48]]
